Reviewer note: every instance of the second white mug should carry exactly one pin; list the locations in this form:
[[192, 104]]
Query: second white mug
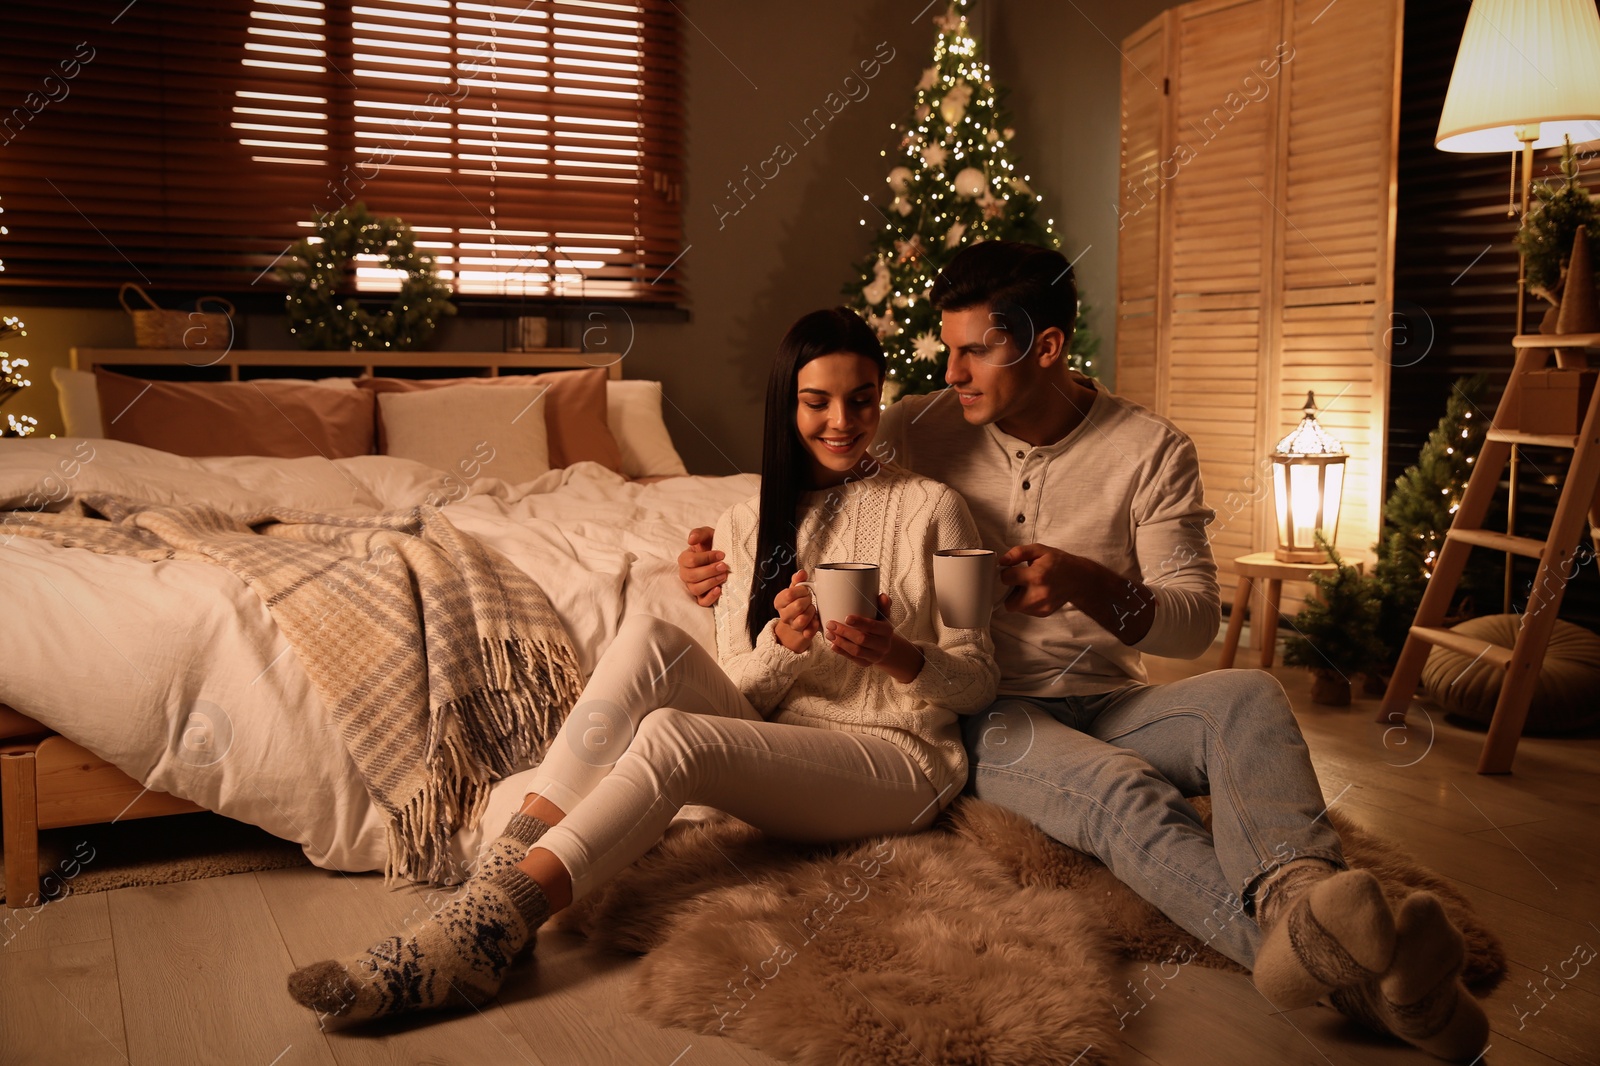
[[964, 586]]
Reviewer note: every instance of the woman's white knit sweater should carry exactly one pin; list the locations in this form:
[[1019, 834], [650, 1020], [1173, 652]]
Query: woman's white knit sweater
[[897, 520]]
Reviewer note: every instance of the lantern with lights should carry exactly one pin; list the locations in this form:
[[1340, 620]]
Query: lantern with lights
[[1307, 483]]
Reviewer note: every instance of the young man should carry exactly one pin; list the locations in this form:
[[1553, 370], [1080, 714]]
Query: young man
[[1095, 507]]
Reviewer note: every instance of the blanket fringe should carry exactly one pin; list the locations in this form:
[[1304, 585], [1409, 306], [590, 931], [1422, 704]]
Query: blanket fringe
[[479, 738]]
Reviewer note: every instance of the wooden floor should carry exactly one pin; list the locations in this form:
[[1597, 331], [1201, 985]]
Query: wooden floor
[[194, 972]]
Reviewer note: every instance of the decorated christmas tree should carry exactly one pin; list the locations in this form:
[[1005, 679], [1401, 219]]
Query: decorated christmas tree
[[1419, 512], [954, 181]]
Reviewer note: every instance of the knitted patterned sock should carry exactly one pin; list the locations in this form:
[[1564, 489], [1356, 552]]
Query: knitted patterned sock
[[509, 848], [1324, 931], [461, 952], [1421, 998]]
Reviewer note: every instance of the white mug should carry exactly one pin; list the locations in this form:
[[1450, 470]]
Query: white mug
[[843, 589], [964, 586]]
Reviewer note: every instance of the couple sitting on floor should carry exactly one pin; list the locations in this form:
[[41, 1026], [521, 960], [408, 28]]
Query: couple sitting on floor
[[855, 729]]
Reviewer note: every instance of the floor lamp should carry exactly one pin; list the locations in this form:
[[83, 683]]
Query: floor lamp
[[1527, 76]]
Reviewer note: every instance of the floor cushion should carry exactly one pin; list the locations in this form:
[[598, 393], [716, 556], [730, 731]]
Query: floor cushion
[[1564, 698]]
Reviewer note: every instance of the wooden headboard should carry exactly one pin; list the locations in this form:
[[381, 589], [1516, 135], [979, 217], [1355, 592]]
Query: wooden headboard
[[353, 364]]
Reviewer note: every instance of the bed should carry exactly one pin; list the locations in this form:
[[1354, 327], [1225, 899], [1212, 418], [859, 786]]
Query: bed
[[132, 689]]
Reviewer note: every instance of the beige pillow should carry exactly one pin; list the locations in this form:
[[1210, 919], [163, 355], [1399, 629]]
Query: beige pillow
[[575, 415], [470, 430], [80, 402], [633, 411]]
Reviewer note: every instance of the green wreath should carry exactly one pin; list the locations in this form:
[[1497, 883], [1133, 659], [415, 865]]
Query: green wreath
[[323, 314]]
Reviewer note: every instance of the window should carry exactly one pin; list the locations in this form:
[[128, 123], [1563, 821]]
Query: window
[[535, 147]]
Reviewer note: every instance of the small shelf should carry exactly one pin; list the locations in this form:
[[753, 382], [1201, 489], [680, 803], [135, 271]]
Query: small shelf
[[371, 362], [1546, 440], [1556, 340]]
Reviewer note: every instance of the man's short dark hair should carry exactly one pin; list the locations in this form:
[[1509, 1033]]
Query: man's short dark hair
[[1027, 287]]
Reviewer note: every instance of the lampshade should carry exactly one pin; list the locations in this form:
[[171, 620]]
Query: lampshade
[[1523, 63], [1308, 487]]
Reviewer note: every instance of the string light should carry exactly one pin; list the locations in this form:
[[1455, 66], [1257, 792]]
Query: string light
[[13, 381]]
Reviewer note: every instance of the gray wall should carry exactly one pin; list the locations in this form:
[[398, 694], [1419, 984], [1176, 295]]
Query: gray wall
[[752, 70]]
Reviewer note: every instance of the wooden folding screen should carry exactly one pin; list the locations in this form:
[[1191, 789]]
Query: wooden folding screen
[[1257, 229]]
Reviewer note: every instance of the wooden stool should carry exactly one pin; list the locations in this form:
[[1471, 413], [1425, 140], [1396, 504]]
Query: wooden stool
[[1264, 631]]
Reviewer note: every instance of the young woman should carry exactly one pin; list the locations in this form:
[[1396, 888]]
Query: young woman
[[806, 734]]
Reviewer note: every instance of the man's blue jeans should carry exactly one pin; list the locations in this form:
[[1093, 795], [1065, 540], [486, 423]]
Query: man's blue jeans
[[1107, 774]]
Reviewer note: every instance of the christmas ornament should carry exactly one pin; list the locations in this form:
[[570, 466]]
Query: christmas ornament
[[954, 105], [992, 136], [902, 206], [884, 325], [323, 310], [922, 111], [950, 21], [934, 155], [1018, 185], [926, 348], [909, 251], [880, 285], [971, 183], [930, 78], [992, 206], [953, 236], [899, 178]]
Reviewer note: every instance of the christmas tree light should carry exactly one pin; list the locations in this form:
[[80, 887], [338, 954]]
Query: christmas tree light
[[1418, 513], [955, 182], [13, 381]]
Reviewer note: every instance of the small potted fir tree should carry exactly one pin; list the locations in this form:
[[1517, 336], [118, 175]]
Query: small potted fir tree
[[1336, 632]]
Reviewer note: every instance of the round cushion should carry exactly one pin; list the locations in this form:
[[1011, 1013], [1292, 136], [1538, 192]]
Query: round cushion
[[1564, 699]]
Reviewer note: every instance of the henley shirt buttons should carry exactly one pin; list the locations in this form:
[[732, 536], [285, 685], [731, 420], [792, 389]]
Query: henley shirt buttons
[[1021, 519], [1024, 486], [1019, 455]]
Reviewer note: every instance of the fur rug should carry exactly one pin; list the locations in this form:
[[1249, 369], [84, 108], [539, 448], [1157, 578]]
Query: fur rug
[[981, 941]]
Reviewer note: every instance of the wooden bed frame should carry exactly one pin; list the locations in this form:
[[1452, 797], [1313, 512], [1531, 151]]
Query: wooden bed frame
[[49, 782]]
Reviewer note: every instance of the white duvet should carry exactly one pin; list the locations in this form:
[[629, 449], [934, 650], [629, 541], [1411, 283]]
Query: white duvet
[[175, 672]]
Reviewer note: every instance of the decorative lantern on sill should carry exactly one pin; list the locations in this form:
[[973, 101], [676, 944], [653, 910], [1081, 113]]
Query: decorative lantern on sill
[[1307, 481]]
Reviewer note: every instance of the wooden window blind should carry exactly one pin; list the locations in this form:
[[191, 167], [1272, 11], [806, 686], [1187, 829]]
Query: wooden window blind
[[535, 147]]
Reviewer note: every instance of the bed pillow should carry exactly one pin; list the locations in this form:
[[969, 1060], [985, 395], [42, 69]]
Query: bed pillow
[[80, 399], [575, 415], [321, 383], [201, 418], [471, 430], [80, 402], [633, 409]]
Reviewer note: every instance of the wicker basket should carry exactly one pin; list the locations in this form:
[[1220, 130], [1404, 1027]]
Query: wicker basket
[[195, 331]]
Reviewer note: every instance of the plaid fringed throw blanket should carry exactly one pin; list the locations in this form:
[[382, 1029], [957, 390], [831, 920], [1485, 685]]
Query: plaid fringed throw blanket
[[443, 665]]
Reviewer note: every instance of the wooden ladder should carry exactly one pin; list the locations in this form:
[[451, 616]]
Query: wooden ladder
[[1579, 502]]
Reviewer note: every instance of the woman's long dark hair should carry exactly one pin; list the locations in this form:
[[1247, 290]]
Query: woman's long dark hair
[[784, 460]]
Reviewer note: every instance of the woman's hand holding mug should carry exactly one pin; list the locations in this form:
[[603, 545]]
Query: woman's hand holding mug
[[873, 642], [797, 615]]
